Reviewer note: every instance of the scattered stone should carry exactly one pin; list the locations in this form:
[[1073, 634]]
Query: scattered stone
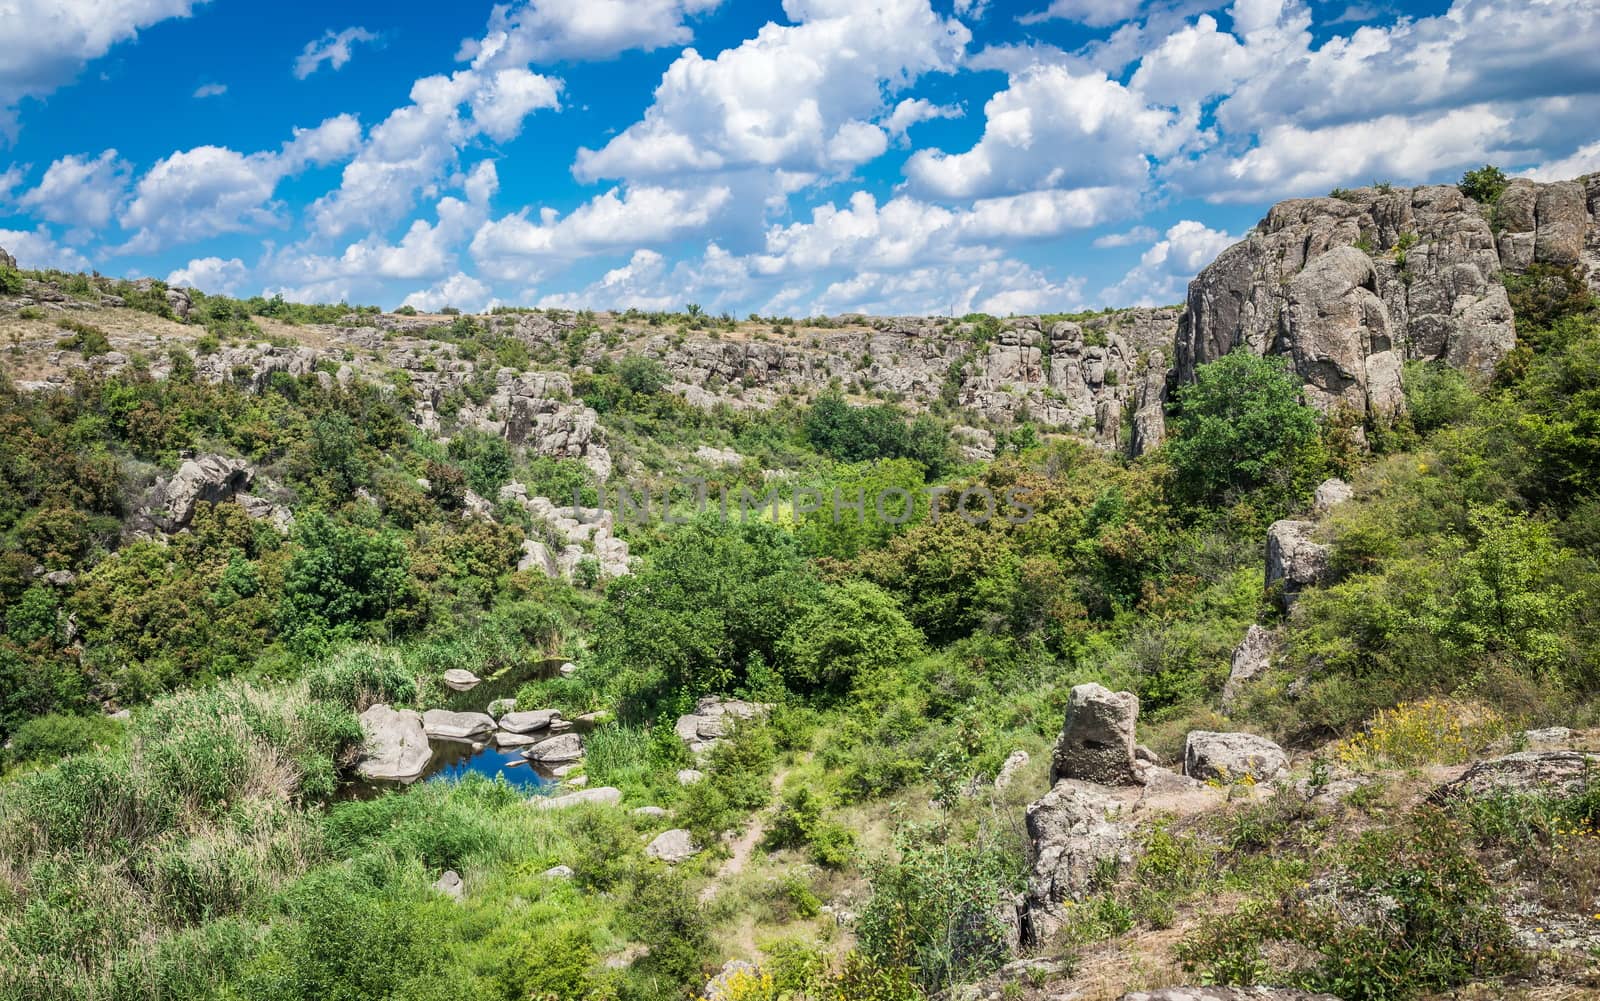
[[1294, 562], [559, 726], [394, 745], [1096, 743], [672, 847], [1230, 757], [649, 811], [556, 750], [505, 738], [529, 721], [461, 680], [450, 885], [600, 795], [563, 771], [1145, 755], [689, 776], [577, 781], [598, 716], [558, 872], [445, 724], [568, 669]]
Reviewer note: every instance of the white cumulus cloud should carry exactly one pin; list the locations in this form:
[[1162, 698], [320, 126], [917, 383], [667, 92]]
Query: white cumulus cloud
[[210, 274], [334, 48]]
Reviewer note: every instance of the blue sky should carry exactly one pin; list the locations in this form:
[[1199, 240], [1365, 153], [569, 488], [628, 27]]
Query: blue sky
[[900, 156]]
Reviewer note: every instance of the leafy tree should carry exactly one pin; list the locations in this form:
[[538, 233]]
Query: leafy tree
[[711, 597], [643, 375], [341, 578], [1244, 428], [1485, 184], [853, 631], [485, 458]]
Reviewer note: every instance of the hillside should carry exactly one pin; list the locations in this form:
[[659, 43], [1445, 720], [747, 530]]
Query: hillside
[[1249, 642]]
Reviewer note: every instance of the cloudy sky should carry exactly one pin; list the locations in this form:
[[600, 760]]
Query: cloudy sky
[[905, 156]]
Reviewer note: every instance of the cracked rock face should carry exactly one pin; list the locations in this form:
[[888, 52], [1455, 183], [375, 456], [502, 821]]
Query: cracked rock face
[[1097, 738], [1294, 561], [1304, 281]]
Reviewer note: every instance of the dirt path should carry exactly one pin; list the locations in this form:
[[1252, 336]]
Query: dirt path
[[744, 848]]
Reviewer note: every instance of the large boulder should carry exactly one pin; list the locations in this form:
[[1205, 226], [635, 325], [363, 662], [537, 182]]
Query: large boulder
[[673, 847], [394, 745], [6, 260], [528, 721], [1072, 829], [1331, 493], [714, 717], [1561, 217], [1096, 743], [459, 679], [1550, 773], [213, 478], [1294, 561], [444, 724], [1231, 757], [1251, 658], [556, 750]]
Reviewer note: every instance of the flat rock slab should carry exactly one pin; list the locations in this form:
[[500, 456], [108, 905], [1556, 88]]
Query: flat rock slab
[[556, 750], [460, 680], [447, 725], [1230, 757], [529, 721], [505, 738], [1548, 773], [395, 745], [1226, 994], [602, 796]]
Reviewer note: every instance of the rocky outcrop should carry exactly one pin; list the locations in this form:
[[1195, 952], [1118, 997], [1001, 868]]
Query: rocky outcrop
[[1097, 738], [1339, 338], [1430, 256], [212, 478], [6, 260], [577, 533], [1331, 493], [1232, 757], [1294, 561], [1072, 829], [1551, 773], [714, 718], [672, 847], [1251, 658], [1015, 762], [394, 745]]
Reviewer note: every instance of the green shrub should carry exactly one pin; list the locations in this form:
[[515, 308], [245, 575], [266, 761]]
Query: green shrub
[[49, 738], [86, 338], [1484, 185], [801, 823], [359, 677]]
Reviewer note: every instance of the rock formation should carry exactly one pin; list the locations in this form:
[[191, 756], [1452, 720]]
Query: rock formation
[[1251, 658], [1073, 828], [1096, 743], [1559, 773], [213, 478], [1294, 561], [6, 260]]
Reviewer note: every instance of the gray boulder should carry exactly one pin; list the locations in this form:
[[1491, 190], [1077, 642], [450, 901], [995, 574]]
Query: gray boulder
[[1230, 757], [556, 750], [394, 745], [461, 680], [213, 478], [558, 872], [600, 796], [180, 302], [450, 885], [1294, 561], [6, 260], [527, 721], [1331, 493], [1550, 773], [1561, 218], [444, 724], [1251, 658], [1015, 762], [1096, 743], [672, 847]]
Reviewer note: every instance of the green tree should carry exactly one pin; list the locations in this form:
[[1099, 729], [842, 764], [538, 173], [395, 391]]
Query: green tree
[[1485, 184], [1244, 427], [642, 375], [341, 578], [854, 631]]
